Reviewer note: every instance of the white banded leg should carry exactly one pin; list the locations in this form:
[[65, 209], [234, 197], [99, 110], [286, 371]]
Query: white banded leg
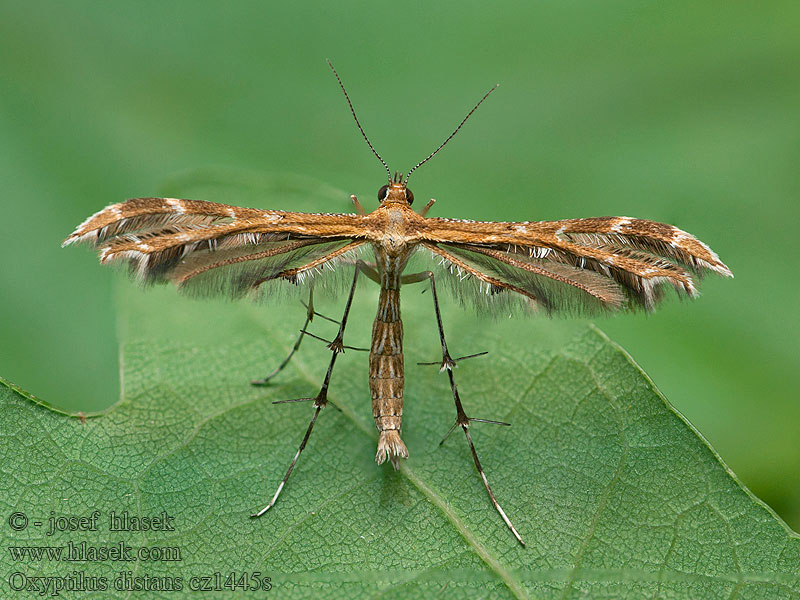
[[462, 420], [310, 314], [321, 399]]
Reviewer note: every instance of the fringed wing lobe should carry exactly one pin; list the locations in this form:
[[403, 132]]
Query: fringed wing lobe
[[143, 215], [147, 215], [237, 276], [208, 248], [485, 277], [591, 264]]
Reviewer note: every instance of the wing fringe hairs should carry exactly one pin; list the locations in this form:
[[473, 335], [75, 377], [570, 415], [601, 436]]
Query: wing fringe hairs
[[600, 264], [483, 280], [210, 249], [638, 258]]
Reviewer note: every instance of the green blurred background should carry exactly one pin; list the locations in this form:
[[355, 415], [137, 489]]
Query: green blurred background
[[684, 112]]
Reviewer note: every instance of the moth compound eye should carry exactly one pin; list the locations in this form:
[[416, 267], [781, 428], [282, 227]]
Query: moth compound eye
[[409, 196], [383, 192]]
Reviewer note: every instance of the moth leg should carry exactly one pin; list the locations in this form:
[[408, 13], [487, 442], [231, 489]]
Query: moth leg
[[370, 270], [321, 339], [447, 362], [310, 314], [309, 318], [462, 420], [427, 207], [357, 204], [321, 399]]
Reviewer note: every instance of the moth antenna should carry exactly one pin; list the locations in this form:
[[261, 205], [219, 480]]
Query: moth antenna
[[361, 129], [450, 137]]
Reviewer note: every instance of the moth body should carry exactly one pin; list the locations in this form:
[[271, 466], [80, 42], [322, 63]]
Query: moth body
[[386, 368]]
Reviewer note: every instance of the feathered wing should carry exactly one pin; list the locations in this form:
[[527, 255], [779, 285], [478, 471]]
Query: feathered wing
[[575, 265], [207, 248]]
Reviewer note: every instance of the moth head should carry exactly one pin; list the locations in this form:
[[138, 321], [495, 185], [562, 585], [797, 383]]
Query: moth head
[[396, 191]]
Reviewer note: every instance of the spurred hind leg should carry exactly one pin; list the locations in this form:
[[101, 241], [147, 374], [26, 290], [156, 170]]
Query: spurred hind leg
[[462, 420]]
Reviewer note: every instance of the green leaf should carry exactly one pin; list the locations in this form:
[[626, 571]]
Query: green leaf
[[616, 495]]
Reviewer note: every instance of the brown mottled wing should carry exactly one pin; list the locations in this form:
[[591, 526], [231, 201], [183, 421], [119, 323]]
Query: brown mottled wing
[[207, 248], [601, 263]]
